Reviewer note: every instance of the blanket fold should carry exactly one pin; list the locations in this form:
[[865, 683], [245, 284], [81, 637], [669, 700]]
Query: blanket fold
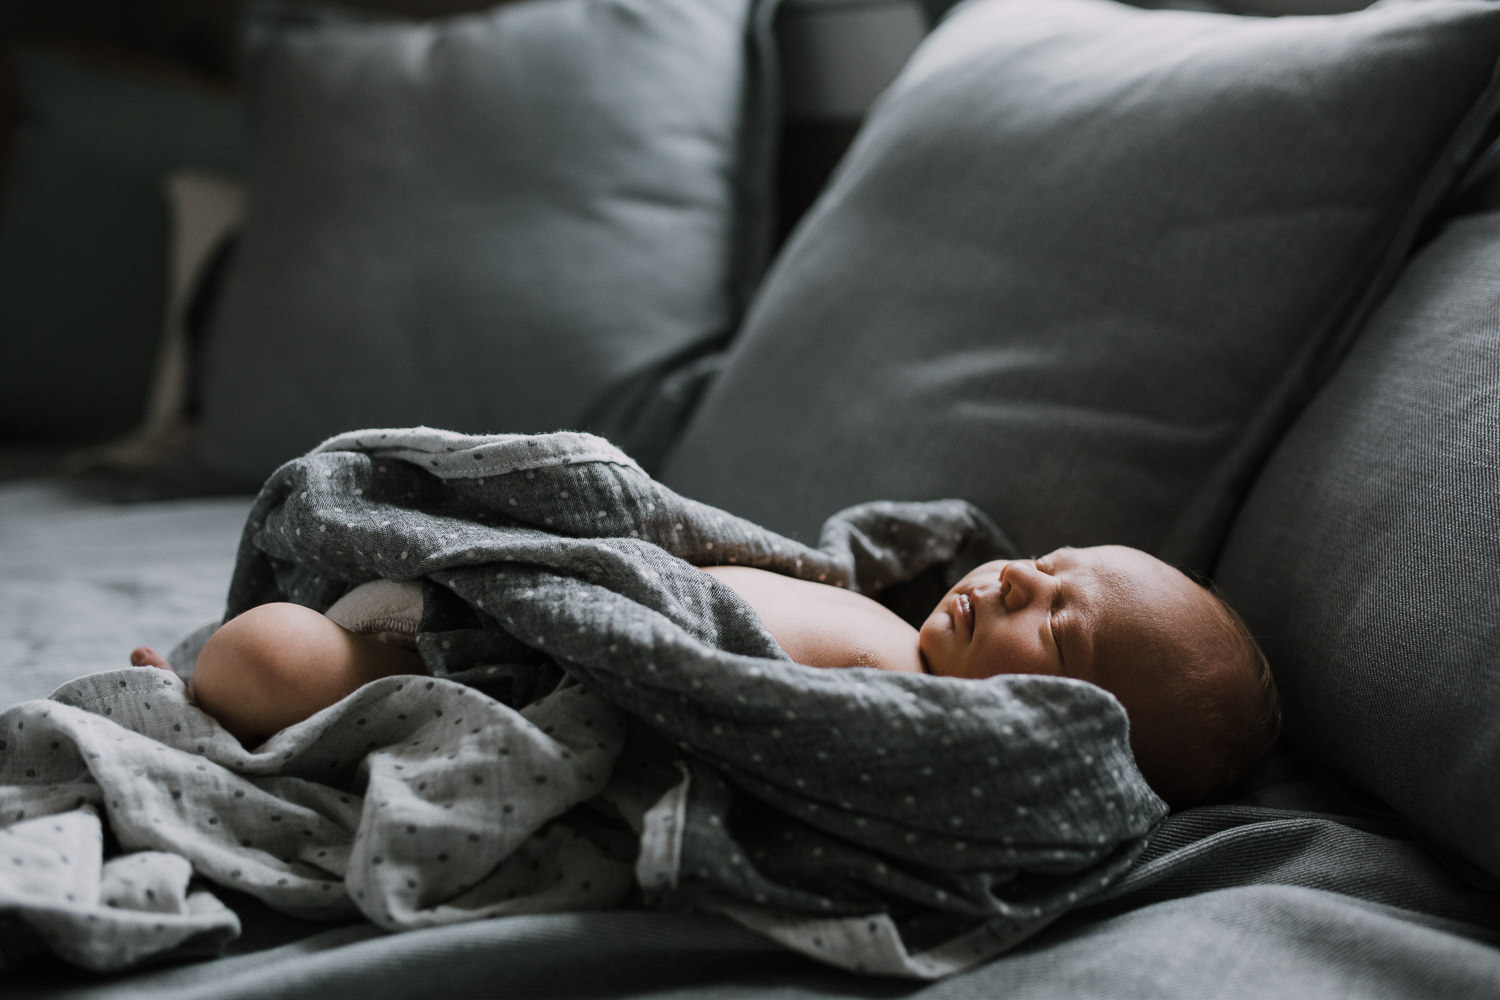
[[602, 722]]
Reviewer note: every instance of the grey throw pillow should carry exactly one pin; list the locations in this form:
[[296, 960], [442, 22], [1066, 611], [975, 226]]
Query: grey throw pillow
[[1367, 557], [1084, 262], [502, 221]]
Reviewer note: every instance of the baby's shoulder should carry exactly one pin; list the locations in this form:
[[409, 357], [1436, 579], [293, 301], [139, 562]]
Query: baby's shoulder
[[821, 625]]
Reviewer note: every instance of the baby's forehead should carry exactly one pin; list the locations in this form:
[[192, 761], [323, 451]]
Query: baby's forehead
[[1175, 645], [1128, 579]]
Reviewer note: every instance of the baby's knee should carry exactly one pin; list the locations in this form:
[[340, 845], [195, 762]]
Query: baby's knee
[[252, 647], [252, 668]]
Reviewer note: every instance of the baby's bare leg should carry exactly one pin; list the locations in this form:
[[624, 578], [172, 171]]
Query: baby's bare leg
[[277, 664]]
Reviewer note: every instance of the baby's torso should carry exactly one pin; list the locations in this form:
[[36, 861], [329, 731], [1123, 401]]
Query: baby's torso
[[816, 624], [822, 626]]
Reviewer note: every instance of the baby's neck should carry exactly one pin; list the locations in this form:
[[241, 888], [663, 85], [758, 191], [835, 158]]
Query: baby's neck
[[823, 626]]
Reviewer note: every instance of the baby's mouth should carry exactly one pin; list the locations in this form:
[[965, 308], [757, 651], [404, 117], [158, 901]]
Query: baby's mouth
[[964, 608]]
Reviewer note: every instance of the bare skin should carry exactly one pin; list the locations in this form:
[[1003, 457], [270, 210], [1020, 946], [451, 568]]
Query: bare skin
[[1111, 616], [1124, 621], [278, 664], [822, 626]]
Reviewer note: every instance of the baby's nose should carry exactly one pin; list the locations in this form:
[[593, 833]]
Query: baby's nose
[[1022, 583]]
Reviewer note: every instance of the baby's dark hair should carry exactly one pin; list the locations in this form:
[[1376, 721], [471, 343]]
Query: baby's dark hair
[[1249, 738]]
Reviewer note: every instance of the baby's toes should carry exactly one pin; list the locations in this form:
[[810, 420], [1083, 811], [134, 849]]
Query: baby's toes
[[145, 656]]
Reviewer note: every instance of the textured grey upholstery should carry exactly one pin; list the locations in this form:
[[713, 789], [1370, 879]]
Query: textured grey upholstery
[[1082, 263], [1367, 558], [492, 222]]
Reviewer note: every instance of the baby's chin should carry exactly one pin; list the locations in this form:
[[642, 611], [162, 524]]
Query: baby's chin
[[928, 648], [935, 660]]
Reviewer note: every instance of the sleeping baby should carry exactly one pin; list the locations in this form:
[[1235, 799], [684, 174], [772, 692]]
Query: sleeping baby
[[1195, 687]]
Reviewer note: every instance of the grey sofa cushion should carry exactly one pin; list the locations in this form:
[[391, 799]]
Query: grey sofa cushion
[[1084, 261], [501, 221], [1367, 557]]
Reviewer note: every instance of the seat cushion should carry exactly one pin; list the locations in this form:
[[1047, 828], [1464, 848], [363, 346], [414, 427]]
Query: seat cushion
[[1085, 261]]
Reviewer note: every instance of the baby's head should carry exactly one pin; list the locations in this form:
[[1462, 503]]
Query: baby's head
[[1196, 688]]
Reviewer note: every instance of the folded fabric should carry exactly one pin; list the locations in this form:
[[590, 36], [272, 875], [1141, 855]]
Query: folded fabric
[[601, 717]]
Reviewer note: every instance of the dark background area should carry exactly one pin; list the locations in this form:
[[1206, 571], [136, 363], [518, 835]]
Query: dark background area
[[199, 39]]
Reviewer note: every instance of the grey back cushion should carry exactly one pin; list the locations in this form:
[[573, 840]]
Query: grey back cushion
[[1367, 557], [502, 221], [1083, 262]]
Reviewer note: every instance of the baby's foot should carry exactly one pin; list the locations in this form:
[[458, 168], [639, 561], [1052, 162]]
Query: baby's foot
[[145, 656]]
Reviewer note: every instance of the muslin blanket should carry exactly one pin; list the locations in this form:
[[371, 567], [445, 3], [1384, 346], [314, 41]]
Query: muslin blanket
[[601, 725]]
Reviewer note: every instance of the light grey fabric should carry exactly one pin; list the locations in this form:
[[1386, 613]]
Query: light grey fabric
[[493, 222], [1367, 558], [1084, 261], [60, 893], [945, 820]]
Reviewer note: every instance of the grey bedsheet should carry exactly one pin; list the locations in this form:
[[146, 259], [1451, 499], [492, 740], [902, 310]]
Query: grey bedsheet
[[1276, 897]]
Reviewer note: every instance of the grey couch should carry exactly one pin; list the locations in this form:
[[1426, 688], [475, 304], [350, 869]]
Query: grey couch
[[1214, 284]]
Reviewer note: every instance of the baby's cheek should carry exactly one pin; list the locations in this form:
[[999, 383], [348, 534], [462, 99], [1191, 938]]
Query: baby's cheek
[[946, 661], [983, 668], [993, 656]]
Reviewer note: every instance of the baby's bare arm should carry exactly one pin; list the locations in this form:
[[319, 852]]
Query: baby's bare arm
[[277, 664]]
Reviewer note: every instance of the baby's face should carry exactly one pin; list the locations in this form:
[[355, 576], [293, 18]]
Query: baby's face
[[1113, 616], [1081, 613]]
